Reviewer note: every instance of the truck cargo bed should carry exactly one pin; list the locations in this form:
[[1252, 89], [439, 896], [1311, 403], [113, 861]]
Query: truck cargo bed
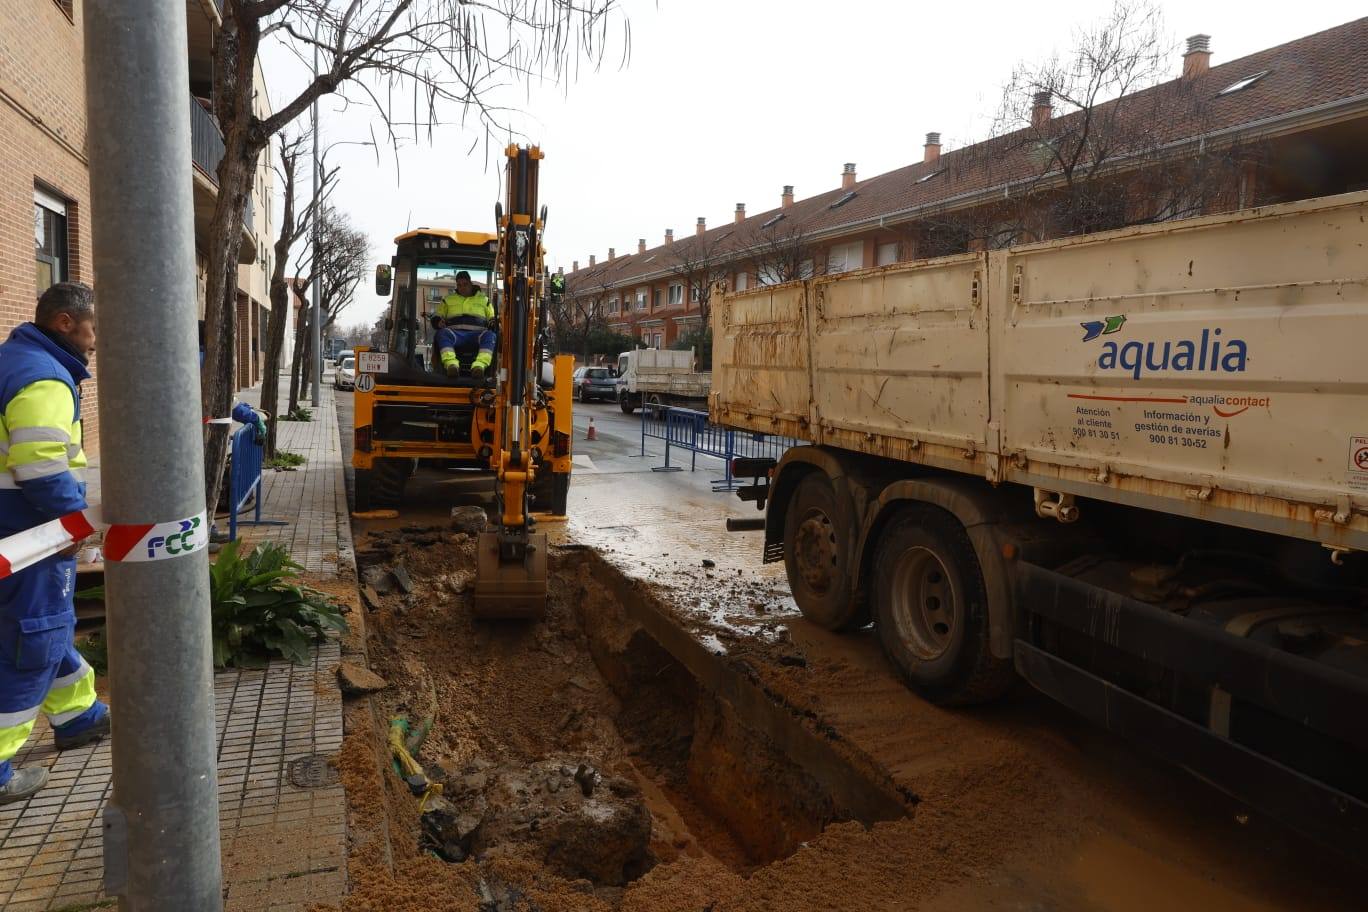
[[1212, 367]]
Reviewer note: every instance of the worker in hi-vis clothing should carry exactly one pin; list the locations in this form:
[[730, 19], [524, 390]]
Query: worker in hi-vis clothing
[[462, 322], [41, 369]]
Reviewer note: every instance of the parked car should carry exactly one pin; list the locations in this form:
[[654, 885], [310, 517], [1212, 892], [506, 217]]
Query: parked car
[[594, 383], [343, 356], [345, 378]]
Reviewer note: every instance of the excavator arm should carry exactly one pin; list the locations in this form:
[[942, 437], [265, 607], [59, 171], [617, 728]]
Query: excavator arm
[[511, 573]]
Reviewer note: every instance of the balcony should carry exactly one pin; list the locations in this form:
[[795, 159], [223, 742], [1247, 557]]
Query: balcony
[[206, 151]]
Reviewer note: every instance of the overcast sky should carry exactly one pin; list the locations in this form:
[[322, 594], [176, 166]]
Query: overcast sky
[[725, 101]]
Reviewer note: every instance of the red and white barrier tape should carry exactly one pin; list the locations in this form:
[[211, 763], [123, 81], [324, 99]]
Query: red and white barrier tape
[[124, 542]]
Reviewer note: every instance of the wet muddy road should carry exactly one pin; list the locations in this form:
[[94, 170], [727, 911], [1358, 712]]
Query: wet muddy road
[[745, 759]]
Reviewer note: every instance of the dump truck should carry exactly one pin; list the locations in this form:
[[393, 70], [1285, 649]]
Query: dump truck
[[1130, 468], [658, 377]]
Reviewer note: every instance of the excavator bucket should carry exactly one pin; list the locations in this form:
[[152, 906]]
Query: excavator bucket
[[510, 589]]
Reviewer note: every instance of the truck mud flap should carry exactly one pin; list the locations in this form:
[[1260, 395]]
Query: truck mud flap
[[1311, 807]]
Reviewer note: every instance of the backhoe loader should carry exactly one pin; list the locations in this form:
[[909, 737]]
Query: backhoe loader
[[513, 424]]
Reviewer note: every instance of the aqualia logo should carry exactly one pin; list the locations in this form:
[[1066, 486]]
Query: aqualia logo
[[1208, 353]]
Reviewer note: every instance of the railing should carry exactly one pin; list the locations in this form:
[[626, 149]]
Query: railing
[[690, 430], [206, 150], [244, 481], [206, 140]]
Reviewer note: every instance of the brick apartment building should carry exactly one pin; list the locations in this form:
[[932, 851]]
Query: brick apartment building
[[1289, 122], [44, 172]]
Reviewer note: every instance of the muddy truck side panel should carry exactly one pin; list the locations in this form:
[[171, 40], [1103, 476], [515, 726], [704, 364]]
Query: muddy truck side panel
[[1131, 467]]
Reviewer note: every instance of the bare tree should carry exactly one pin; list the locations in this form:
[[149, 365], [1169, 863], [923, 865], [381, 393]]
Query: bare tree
[[701, 262], [437, 54], [295, 223], [1084, 141], [782, 253], [580, 313], [343, 255]]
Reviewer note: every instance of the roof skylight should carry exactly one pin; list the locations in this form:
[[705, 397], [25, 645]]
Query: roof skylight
[[1244, 83], [773, 221], [926, 177], [843, 200]]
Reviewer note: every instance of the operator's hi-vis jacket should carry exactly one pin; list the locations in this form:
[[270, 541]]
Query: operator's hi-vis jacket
[[41, 460], [472, 312], [40, 479]]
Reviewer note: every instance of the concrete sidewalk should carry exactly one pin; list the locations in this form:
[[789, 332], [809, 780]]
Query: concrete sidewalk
[[282, 812]]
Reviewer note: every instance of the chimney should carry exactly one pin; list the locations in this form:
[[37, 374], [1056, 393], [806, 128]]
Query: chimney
[[1041, 109], [574, 266], [786, 199], [932, 148], [641, 245], [1197, 60], [740, 213], [560, 270], [591, 261], [848, 176], [612, 253], [669, 235], [702, 225]]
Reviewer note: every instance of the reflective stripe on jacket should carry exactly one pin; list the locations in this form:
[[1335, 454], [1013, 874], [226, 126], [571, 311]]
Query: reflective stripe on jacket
[[40, 428], [474, 310]]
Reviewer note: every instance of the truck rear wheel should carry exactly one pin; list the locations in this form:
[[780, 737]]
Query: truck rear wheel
[[625, 403], [816, 554], [931, 609]]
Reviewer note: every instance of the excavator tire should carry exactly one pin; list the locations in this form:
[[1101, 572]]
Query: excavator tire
[[382, 486]]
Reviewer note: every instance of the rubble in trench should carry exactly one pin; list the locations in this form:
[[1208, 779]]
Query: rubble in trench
[[580, 766]]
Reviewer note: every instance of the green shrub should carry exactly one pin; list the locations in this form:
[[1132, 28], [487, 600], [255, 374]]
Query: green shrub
[[284, 459], [260, 609], [95, 649], [300, 413]]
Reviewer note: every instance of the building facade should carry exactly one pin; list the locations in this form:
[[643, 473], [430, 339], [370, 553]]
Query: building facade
[[45, 172], [1289, 122]]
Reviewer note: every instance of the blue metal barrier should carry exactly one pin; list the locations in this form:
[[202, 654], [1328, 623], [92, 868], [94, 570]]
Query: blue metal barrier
[[690, 430], [244, 480]]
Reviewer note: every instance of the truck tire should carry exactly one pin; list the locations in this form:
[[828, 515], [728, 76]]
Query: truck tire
[[931, 609], [816, 553], [625, 403], [382, 486]]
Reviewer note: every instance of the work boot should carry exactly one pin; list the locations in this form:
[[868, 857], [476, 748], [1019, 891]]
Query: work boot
[[453, 370], [24, 784], [477, 372], [89, 732]]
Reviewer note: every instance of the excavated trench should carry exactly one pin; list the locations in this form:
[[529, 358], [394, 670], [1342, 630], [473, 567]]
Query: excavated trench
[[578, 753]]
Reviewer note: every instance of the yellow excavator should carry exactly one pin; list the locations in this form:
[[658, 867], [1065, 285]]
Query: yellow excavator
[[514, 422]]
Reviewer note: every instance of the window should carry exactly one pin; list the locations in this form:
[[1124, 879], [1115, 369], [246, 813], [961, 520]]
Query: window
[[695, 293], [613, 304], [676, 294], [739, 284], [1241, 84], [49, 240], [658, 300], [641, 299], [846, 257], [887, 254]]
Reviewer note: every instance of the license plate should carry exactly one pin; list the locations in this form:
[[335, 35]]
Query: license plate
[[372, 362]]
